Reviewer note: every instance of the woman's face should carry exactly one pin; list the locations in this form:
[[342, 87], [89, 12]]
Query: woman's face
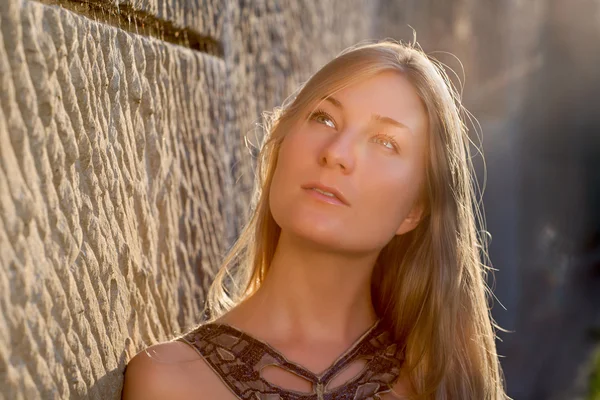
[[353, 146]]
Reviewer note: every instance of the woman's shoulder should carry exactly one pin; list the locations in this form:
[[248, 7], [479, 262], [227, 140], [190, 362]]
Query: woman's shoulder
[[154, 372], [172, 370]]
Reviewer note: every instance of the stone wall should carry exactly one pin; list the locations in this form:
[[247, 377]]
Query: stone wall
[[124, 174]]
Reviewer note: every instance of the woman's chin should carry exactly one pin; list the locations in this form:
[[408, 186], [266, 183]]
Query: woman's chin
[[320, 233]]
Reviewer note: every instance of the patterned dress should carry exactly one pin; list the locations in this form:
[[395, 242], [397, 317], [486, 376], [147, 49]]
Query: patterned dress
[[237, 358]]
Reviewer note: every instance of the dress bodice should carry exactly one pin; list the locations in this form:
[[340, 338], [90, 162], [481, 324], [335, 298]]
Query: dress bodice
[[237, 358]]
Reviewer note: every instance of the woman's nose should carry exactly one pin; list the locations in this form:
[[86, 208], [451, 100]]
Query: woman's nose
[[339, 152]]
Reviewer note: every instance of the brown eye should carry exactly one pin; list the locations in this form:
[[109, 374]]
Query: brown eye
[[320, 116], [389, 140]]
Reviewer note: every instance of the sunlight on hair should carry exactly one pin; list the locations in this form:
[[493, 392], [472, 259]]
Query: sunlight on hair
[[429, 285]]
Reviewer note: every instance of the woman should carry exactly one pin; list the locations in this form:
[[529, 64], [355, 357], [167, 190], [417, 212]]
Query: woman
[[359, 274]]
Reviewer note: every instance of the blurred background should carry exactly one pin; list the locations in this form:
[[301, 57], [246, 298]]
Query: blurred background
[[533, 82], [124, 171]]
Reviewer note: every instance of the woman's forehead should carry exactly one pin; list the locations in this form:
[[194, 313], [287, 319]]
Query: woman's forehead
[[390, 97], [379, 89]]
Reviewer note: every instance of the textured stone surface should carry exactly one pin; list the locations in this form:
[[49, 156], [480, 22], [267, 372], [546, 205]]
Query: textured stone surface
[[124, 174], [113, 165]]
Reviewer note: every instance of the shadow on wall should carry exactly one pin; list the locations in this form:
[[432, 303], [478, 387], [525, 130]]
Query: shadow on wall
[[109, 386]]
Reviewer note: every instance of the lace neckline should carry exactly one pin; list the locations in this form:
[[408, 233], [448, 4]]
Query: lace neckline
[[237, 358], [340, 360]]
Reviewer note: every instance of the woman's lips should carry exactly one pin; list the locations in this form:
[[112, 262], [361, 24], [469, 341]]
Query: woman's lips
[[324, 198]]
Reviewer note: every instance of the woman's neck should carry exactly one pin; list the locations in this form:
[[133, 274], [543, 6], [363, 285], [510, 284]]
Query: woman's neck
[[312, 294]]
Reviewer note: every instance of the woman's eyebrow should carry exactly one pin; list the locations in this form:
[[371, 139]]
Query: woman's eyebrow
[[376, 117]]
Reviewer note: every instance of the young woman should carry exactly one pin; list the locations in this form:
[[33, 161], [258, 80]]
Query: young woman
[[360, 273]]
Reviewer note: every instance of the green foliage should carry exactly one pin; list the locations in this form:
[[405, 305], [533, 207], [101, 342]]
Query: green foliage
[[595, 379]]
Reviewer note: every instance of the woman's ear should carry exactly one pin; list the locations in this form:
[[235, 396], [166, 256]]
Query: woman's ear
[[412, 219]]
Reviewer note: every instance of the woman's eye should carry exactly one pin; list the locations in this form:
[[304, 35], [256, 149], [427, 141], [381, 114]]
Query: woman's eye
[[321, 117], [390, 141]]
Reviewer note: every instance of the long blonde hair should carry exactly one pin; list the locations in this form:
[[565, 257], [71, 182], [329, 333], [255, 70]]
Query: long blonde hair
[[428, 285]]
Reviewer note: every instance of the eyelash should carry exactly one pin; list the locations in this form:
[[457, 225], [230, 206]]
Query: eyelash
[[321, 112]]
